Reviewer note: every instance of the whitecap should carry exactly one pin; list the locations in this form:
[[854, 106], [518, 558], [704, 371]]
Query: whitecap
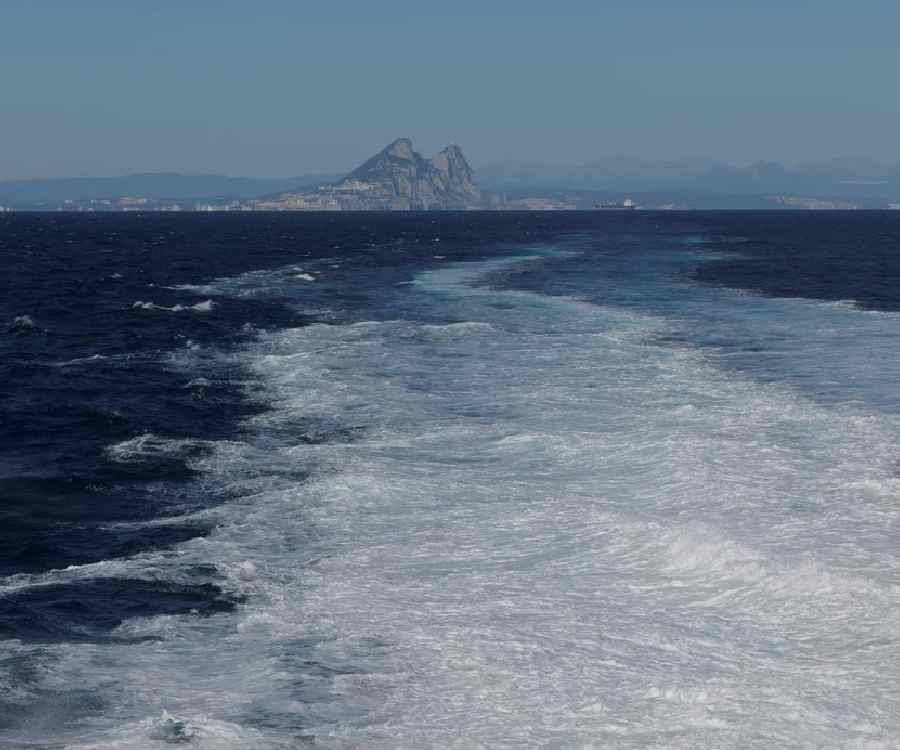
[[183, 728], [205, 306], [23, 323], [81, 360], [149, 446]]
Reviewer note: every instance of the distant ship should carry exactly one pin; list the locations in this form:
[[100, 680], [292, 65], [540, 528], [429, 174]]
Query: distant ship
[[625, 205]]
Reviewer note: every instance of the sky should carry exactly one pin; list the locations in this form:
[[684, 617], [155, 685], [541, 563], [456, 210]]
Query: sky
[[292, 87]]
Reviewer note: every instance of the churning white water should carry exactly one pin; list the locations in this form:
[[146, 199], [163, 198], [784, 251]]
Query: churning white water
[[536, 526]]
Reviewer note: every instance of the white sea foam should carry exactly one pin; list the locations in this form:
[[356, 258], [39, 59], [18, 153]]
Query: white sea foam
[[549, 530], [163, 566], [205, 306], [193, 730], [452, 331], [23, 323], [81, 360], [150, 446], [260, 283]]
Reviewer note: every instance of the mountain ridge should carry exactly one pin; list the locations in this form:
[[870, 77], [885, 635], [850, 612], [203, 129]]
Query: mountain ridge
[[152, 185], [398, 178], [848, 177]]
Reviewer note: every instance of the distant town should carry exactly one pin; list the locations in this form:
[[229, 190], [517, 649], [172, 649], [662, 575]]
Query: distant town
[[536, 203], [323, 202], [297, 202]]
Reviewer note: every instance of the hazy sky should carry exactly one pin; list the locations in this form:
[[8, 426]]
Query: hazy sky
[[285, 87]]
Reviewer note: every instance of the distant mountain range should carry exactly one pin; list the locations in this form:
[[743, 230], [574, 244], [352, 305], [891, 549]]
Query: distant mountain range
[[157, 186], [399, 178], [858, 179]]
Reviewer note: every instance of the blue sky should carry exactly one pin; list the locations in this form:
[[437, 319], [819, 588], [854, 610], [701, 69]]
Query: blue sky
[[103, 87]]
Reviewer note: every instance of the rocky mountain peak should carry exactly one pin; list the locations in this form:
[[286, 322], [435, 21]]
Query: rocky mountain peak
[[402, 148], [398, 157], [451, 162], [401, 178], [397, 179]]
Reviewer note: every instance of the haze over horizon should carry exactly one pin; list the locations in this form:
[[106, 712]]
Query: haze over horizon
[[110, 88]]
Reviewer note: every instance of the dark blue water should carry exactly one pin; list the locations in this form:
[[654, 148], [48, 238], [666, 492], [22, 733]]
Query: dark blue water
[[94, 308], [82, 368]]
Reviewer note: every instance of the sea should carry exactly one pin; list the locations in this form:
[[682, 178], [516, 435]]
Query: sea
[[450, 480]]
